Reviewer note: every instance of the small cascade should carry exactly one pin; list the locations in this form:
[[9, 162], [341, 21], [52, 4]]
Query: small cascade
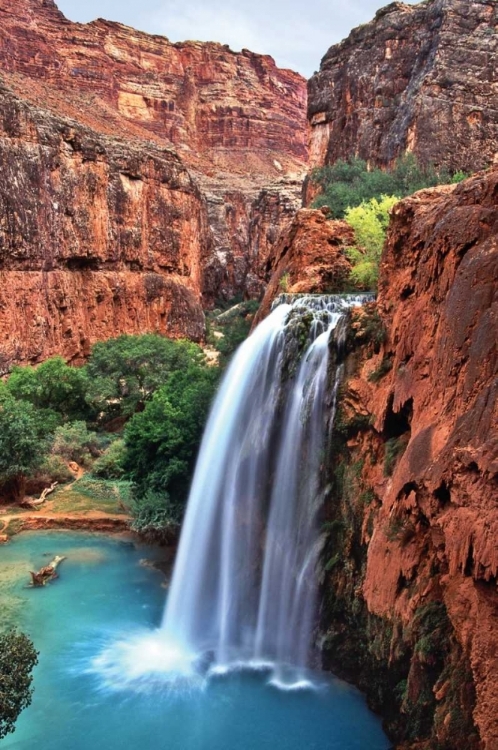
[[243, 592]]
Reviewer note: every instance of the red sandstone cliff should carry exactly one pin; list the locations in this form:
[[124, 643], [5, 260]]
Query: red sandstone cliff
[[418, 78], [236, 120], [439, 302], [97, 237], [308, 258], [418, 495]]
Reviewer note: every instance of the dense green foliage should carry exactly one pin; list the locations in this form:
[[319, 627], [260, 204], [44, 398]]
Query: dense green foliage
[[125, 372], [55, 414], [370, 221], [53, 386], [23, 442], [17, 659], [163, 440], [347, 184]]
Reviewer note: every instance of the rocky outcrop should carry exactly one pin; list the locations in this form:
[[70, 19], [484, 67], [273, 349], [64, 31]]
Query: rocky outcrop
[[414, 505], [308, 257], [418, 78], [97, 237], [237, 121]]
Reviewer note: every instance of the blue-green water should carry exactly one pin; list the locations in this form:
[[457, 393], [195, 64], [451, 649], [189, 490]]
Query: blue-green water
[[103, 592]]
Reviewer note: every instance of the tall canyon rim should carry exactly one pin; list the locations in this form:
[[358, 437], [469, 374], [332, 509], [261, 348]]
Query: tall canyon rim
[[145, 179]]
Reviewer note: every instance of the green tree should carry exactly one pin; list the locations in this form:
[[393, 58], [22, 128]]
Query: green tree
[[162, 442], [17, 660], [125, 371], [23, 443], [53, 386], [369, 221], [75, 442], [347, 184]]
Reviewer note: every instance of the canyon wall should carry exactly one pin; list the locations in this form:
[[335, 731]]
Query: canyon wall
[[236, 120], [418, 78], [141, 180], [410, 592], [97, 238]]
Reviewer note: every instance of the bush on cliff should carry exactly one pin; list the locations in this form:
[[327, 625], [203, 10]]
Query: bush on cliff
[[369, 221], [17, 659], [347, 184]]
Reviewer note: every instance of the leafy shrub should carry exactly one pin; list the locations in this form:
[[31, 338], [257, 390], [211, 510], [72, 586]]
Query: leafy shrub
[[156, 516], [347, 184], [55, 469], [23, 443], [369, 221], [53, 386], [110, 464], [17, 659], [162, 441], [75, 442], [126, 371]]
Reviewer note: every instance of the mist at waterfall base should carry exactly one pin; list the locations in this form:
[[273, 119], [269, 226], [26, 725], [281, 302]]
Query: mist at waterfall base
[[243, 593]]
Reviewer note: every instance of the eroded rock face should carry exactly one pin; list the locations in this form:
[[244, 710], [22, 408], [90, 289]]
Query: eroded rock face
[[421, 417], [308, 257], [236, 120], [418, 78], [97, 238]]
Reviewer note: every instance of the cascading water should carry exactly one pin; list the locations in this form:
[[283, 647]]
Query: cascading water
[[244, 584]]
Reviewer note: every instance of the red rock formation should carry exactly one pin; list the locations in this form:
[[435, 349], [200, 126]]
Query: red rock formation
[[439, 301], [419, 78], [308, 257], [431, 394], [237, 121], [97, 237]]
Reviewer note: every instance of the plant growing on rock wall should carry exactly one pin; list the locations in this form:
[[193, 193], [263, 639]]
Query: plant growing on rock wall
[[347, 184], [369, 221], [17, 659]]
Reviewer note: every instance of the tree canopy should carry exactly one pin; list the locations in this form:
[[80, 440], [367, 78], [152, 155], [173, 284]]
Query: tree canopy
[[17, 659], [347, 184]]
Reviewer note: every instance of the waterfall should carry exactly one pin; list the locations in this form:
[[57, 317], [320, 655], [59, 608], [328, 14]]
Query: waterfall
[[244, 584], [243, 591]]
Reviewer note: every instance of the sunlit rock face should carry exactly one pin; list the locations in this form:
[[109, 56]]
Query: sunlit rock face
[[236, 122], [418, 78]]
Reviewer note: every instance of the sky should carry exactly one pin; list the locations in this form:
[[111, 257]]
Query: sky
[[297, 33]]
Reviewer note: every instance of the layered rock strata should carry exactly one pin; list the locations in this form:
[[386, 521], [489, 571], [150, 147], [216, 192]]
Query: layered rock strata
[[418, 78], [236, 120], [97, 237]]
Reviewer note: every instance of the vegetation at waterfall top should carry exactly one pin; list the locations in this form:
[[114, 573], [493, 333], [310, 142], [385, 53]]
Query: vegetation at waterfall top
[[364, 197], [347, 184]]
